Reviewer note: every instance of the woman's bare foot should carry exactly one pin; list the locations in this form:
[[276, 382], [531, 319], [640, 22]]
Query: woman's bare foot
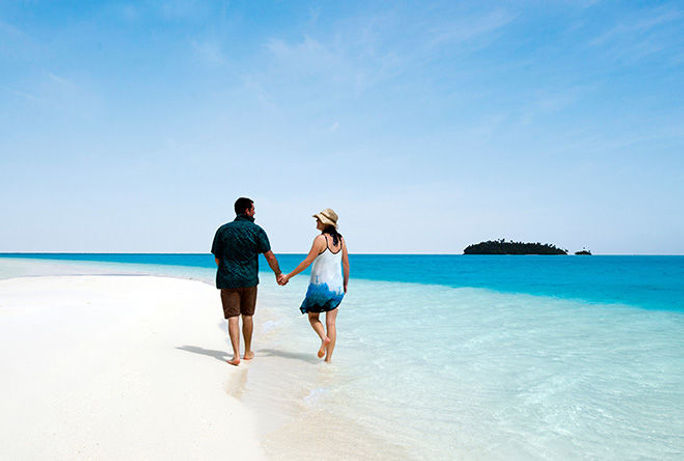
[[248, 355], [234, 361], [324, 345]]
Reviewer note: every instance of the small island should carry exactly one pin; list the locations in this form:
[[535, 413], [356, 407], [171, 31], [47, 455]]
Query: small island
[[583, 252], [502, 247]]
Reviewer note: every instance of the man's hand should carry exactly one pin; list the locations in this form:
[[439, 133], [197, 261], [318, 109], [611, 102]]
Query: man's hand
[[282, 279]]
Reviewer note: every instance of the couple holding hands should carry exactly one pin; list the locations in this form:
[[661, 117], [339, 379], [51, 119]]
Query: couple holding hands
[[236, 249]]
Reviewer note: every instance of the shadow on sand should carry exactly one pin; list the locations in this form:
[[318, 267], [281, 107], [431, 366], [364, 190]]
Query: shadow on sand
[[309, 358], [218, 355], [223, 355]]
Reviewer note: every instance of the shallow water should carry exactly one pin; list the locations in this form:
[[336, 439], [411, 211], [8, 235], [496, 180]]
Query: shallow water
[[430, 371], [444, 372]]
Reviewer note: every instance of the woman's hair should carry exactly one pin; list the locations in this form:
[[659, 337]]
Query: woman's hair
[[336, 236]]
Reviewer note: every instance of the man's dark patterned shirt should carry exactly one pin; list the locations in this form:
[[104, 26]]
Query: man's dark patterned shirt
[[237, 245]]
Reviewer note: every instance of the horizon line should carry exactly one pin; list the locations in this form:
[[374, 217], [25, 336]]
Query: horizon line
[[58, 252]]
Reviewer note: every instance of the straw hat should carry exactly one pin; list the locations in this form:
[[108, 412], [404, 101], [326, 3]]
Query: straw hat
[[327, 217]]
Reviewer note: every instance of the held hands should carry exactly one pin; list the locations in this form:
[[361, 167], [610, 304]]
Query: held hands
[[282, 279]]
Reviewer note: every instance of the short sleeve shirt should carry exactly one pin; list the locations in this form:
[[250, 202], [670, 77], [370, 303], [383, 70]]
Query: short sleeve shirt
[[237, 245]]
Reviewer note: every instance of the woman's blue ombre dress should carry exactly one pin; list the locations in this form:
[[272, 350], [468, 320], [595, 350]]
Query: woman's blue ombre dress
[[326, 288]]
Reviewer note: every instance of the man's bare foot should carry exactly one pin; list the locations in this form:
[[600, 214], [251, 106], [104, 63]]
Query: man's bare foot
[[234, 361], [248, 355], [324, 344]]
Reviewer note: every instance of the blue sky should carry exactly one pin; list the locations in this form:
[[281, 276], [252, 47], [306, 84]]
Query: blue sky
[[133, 126]]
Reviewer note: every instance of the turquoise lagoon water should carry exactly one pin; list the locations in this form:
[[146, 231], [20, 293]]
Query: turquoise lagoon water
[[650, 282], [463, 357]]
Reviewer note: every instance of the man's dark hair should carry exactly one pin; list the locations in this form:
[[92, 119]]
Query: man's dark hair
[[243, 204]]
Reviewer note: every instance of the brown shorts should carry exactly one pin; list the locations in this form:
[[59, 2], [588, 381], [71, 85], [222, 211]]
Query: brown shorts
[[238, 301]]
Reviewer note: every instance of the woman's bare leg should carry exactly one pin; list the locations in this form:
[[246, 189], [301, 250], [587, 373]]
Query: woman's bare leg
[[330, 317], [318, 328]]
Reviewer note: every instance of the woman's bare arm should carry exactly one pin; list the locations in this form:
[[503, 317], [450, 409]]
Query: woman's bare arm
[[317, 247], [345, 264]]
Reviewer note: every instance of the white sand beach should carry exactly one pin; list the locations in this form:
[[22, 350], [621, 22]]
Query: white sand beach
[[118, 367]]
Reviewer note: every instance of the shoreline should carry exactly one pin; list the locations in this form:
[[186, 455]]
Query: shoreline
[[651, 294], [117, 366], [252, 394]]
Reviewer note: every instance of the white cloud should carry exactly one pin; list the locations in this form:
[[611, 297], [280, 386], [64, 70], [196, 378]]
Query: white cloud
[[209, 51], [361, 53], [469, 28], [24, 95], [642, 35], [637, 25], [546, 102], [182, 9], [10, 30], [60, 80]]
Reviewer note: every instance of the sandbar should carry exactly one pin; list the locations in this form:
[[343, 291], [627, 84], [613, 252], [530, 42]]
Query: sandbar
[[118, 367]]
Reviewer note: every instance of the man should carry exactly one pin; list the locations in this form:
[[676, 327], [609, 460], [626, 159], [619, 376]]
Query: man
[[236, 248]]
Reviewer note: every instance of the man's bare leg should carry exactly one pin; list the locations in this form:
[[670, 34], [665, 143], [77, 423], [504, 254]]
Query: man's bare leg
[[247, 328], [330, 318], [234, 333], [318, 328]]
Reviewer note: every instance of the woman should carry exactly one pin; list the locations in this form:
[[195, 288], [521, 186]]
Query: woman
[[328, 285]]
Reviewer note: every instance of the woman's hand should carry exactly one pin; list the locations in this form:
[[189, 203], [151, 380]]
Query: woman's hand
[[345, 288]]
